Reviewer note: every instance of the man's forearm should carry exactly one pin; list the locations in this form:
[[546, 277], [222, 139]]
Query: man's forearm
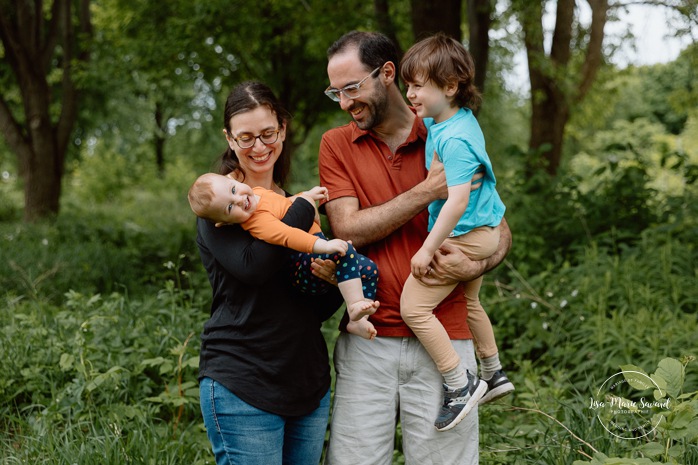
[[367, 225]]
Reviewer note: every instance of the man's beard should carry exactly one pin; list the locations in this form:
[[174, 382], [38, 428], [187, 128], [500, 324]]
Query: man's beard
[[377, 108]]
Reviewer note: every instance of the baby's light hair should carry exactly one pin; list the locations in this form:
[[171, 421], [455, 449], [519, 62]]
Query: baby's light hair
[[443, 60], [201, 195]]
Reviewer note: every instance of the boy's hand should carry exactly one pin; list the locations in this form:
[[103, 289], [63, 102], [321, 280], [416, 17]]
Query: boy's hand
[[420, 263]]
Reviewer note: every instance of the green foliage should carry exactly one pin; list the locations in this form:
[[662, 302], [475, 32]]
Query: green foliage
[[116, 232], [102, 378], [676, 437], [107, 301]]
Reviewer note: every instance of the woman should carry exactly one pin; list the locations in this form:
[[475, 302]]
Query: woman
[[264, 371]]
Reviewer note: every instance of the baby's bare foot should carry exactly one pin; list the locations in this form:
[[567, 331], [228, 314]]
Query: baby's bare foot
[[363, 308], [363, 328]]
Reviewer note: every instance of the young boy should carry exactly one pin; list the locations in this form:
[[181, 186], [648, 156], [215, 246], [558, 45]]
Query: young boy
[[439, 72], [224, 201]]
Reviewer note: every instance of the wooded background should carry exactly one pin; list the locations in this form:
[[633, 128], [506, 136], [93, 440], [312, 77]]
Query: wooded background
[[109, 109]]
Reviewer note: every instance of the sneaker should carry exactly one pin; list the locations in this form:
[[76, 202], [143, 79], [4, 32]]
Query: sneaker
[[497, 386], [458, 402]]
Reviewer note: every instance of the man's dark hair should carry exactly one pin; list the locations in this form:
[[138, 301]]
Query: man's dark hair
[[374, 48]]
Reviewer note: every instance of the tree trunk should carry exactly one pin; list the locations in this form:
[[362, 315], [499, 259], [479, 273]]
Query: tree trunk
[[554, 85], [159, 139], [430, 17], [33, 47], [479, 23], [385, 24]]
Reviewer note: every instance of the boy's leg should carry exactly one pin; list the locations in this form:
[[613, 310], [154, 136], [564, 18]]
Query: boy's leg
[[477, 244], [417, 304], [479, 322], [462, 390]]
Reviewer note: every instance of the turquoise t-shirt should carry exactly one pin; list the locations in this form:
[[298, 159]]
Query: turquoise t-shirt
[[460, 145]]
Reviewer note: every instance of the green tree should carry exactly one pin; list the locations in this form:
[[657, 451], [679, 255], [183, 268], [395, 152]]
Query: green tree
[[44, 48], [155, 55], [561, 78]]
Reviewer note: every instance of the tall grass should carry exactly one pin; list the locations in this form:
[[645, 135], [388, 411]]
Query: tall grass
[[102, 310]]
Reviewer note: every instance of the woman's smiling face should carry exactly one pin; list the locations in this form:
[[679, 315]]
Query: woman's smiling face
[[257, 161]]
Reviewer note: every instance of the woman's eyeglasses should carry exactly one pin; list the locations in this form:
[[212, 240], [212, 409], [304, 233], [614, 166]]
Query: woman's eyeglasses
[[246, 141]]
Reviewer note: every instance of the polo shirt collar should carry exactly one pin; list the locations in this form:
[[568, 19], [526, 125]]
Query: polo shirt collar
[[419, 131]]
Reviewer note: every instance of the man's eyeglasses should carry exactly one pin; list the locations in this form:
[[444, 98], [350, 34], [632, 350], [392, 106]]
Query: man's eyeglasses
[[246, 141], [351, 91]]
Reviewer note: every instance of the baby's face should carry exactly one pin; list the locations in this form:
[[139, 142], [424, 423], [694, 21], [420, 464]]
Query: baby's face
[[233, 201]]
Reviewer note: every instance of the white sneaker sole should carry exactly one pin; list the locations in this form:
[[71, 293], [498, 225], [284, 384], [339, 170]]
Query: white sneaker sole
[[497, 393]]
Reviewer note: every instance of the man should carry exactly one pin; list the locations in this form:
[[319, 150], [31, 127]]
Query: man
[[378, 185]]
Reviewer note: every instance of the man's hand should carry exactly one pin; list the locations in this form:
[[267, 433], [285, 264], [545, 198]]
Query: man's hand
[[436, 179], [450, 266]]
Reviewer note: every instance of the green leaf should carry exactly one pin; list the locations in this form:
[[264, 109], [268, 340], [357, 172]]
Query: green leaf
[[671, 370], [682, 416], [66, 362], [692, 430], [636, 377], [152, 362], [651, 449], [599, 459]]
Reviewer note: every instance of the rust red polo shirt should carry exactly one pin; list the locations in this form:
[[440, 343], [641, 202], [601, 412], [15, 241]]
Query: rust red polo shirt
[[355, 163]]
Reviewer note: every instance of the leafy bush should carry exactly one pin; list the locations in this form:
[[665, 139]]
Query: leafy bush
[[117, 244], [102, 379], [562, 332]]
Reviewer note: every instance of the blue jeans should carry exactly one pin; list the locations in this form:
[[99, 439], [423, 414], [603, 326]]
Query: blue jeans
[[242, 434]]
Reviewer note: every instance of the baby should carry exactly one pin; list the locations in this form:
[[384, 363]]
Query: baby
[[224, 201]]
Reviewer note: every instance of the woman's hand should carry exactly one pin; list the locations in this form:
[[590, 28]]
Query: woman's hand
[[325, 270]]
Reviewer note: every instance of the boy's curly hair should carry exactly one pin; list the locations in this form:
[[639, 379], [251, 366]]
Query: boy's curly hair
[[443, 60]]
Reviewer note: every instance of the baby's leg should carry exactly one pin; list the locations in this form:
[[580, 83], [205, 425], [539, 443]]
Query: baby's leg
[[363, 328], [359, 309], [357, 278]]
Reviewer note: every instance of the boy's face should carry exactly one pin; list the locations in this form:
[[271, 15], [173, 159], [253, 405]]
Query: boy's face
[[429, 100], [233, 201]]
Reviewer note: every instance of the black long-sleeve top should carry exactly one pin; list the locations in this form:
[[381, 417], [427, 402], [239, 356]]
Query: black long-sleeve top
[[263, 340]]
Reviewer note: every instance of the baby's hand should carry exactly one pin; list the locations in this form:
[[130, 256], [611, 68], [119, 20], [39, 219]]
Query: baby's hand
[[334, 246], [318, 193]]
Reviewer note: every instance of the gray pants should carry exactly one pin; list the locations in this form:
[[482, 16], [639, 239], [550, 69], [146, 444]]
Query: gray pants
[[390, 379]]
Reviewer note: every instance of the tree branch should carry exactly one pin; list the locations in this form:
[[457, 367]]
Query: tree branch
[[592, 60], [560, 50], [10, 129], [53, 31]]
